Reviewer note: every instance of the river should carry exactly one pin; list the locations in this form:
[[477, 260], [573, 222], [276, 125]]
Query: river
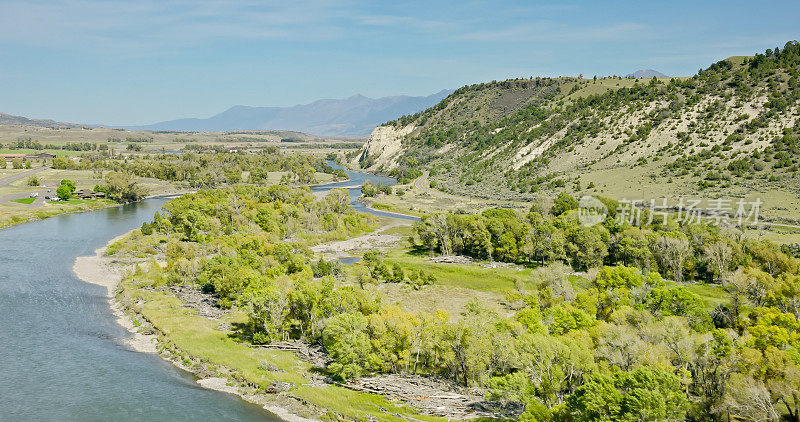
[[61, 357], [353, 187], [60, 353]]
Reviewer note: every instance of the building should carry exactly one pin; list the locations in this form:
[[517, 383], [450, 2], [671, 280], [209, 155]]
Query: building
[[9, 157], [40, 156], [89, 194]]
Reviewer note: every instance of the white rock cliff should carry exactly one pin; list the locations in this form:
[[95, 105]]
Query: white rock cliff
[[384, 146]]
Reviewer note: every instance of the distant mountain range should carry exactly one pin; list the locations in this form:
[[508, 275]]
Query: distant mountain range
[[11, 120], [350, 117], [646, 73]]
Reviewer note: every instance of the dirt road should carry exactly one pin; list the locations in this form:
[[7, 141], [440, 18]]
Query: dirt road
[[6, 181]]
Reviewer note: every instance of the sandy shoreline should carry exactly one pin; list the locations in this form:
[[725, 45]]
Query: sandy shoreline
[[101, 270]]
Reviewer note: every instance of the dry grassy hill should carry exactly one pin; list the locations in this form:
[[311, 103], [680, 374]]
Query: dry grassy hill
[[730, 129]]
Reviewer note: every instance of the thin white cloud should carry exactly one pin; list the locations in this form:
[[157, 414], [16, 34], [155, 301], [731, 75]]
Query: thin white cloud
[[96, 25], [550, 31], [404, 22]]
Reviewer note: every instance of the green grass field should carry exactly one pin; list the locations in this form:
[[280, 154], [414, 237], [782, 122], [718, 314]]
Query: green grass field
[[57, 152], [78, 201], [26, 201], [473, 276], [501, 280]]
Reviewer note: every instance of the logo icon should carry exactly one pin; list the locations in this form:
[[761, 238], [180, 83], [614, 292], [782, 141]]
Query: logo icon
[[591, 211]]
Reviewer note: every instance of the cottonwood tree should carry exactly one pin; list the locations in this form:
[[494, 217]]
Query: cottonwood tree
[[347, 342], [587, 246], [671, 253], [546, 241], [621, 346], [470, 343], [631, 247], [642, 394], [748, 399], [122, 187], [338, 199], [548, 369], [441, 230], [719, 255]]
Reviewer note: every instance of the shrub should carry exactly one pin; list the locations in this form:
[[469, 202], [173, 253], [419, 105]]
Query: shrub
[[564, 203]]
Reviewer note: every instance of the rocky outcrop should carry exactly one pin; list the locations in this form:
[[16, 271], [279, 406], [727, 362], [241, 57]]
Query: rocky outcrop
[[383, 147]]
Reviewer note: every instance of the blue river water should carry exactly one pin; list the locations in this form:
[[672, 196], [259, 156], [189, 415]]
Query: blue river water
[[61, 357], [353, 187]]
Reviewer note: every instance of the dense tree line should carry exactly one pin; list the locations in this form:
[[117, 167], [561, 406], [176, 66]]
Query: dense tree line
[[210, 170], [252, 233], [69, 146], [618, 343], [121, 187], [737, 359], [703, 252]]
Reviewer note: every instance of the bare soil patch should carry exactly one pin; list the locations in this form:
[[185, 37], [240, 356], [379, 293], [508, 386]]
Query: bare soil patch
[[433, 396]]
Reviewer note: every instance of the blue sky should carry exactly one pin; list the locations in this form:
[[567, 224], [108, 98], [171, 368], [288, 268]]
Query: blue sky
[[138, 62]]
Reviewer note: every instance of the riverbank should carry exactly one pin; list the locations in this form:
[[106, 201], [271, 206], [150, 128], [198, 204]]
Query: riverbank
[[43, 213], [99, 269], [36, 214], [187, 328], [182, 326], [102, 270], [391, 210]]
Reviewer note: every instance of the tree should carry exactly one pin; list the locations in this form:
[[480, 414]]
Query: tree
[[586, 246], [63, 192], [678, 300], [69, 184], [564, 203], [766, 388], [347, 342], [546, 241], [386, 189], [33, 181], [121, 187], [565, 318], [644, 394], [773, 328], [391, 333], [614, 285], [339, 200], [621, 345], [632, 248], [440, 229], [711, 369], [368, 189], [548, 369], [749, 399], [268, 310], [718, 255], [671, 253]]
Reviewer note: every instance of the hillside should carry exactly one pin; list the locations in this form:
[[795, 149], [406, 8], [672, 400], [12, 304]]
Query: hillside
[[11, 120], [354, 116], [729, 129]]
